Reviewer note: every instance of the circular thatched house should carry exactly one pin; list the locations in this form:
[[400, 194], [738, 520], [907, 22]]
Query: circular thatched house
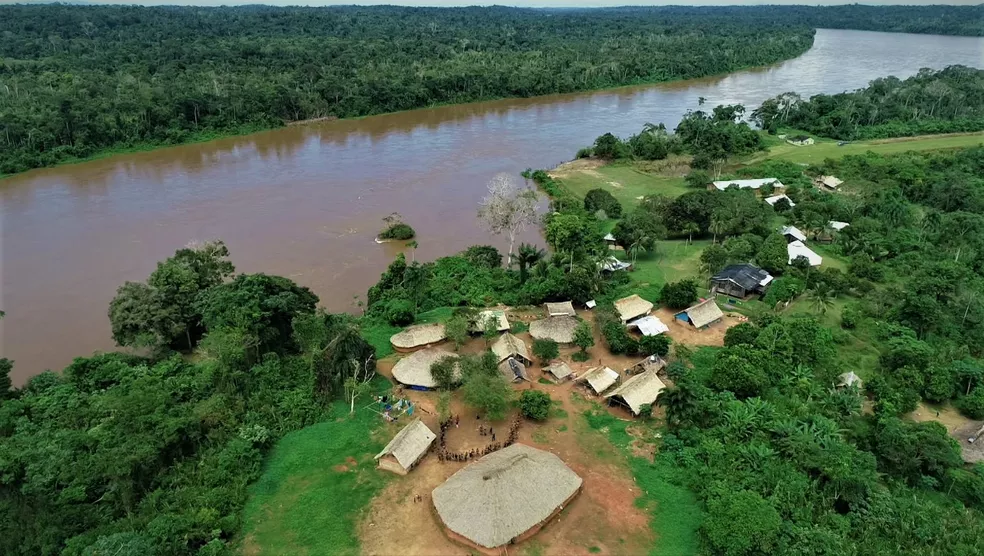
[[414, 370], [504, 497], [416, 337], [558, 329]]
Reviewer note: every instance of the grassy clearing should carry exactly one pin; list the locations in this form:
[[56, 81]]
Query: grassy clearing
[[676, 513], [625, 182], [672, 261], [826, 148], [316, 484]]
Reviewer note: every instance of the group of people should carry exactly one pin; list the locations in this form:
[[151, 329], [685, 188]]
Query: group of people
[[443, 454]]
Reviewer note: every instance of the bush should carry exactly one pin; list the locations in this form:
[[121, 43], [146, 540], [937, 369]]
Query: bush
[[585, 152], [535, 404], [600, 199], [443, 372], [618, 339], [545, 350], [973, 405], [697, 179], [654, 345], [782, 290], [483, 256], [398, 231], [679, 295], [850, 317], [399, 312], [743, 333], [583, 337]]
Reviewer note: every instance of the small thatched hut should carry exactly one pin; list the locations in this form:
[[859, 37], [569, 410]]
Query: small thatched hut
[[501, 322], [406, 448], [504, 497], [414, 370], [599, 378], [702, 314], [560, 309], [632, 307], [559, 370], [652, 363], [558, 329], [419, 336], [510, 346], [640, 390]]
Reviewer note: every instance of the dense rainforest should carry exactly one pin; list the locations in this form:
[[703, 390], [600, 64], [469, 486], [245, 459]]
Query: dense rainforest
[[77, 80], [80, 80], [945, 101]]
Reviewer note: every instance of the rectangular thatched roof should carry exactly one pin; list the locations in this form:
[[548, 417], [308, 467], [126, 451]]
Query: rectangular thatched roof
[[832, 182], [560, 309], [704, 313], [502, 323], [600, 378], [640, 390], [510, 346], [410, 444], [631, 307], [559, 370]]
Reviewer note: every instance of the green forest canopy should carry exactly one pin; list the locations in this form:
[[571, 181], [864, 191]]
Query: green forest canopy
[[80, 80]]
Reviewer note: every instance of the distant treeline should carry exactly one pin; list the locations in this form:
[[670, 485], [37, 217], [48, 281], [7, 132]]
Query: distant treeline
[[78, 80], [945, 101]]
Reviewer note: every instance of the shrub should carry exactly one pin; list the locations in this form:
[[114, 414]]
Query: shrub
[[398, 231], [443, 372], [782, 290], [583, 337], [456, 329], [618, 339], [743, 333], [679, 295], [545, 350], [484, 256], [580, 356], [535, 404], [399, 312], [585, 152], [973, 405], [654, 345], [600, 199], [698, 179], [850, 317]]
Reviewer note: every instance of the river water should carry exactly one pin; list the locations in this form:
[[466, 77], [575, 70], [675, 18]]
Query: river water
[[306, 201]]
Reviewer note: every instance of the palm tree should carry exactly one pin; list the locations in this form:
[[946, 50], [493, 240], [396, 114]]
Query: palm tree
[[691, 228], [718, 226], [639, 245], [820, 299], [527, 256]]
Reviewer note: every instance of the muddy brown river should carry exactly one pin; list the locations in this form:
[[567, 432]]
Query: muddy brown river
[[306, 201]]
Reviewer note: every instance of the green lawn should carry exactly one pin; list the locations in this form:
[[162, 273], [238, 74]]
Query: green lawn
[[826, 148], [625, 182], [306, 502], [673, 260]]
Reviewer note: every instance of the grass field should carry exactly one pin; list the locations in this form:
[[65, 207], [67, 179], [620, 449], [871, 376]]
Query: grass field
[[315, 485], [826, 148], [672, 261], [625, 182]]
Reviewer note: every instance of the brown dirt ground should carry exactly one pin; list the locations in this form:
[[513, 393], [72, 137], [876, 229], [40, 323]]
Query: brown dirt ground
[[581, 165], [960, 428], [683, 333], [608, 489]]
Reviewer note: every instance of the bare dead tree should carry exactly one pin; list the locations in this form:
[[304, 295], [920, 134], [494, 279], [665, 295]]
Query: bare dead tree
[[508, 209]]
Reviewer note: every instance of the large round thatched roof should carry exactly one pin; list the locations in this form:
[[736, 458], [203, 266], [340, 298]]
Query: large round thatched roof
[[504, 494], [419, 336], [415, 369]]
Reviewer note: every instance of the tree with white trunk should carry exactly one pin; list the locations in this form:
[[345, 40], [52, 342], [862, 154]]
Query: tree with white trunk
[[508, 209]]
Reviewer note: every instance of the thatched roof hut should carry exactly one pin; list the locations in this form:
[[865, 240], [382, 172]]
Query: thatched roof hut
[[632, 307], [406, 448], [599, 378], [510, 346], [414, 370], [560, 309], [702, 314], [640, 390], [514, 370], [421, 335], [502, 323], [558, 329], [504, 497], [559, 370]]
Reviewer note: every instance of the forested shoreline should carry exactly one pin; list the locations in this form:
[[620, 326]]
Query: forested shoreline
[[79, 81]]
